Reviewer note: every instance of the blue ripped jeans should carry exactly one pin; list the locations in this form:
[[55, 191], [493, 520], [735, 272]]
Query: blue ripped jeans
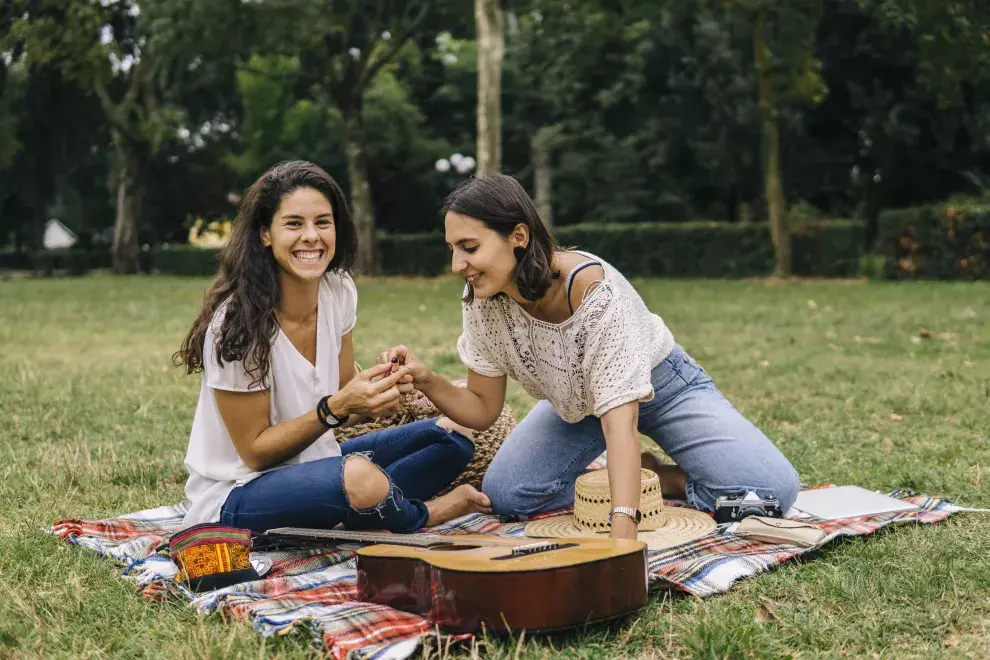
[[719, 449], [420, 460]]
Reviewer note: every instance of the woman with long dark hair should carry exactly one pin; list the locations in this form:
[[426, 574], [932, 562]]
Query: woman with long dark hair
[[578, 337], [274, 343]]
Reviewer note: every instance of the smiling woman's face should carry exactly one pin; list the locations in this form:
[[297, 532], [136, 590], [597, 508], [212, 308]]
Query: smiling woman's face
[[482, 256], [302, 235]]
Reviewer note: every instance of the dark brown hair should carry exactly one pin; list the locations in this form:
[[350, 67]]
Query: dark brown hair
[[500, 201], [248, 282]]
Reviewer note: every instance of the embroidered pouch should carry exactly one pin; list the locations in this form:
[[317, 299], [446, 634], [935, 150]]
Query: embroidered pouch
[[212, 556]]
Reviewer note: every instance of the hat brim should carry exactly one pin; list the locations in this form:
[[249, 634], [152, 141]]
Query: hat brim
[[678, 525]]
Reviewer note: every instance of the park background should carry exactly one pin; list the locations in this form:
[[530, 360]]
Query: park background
[[799, 189]]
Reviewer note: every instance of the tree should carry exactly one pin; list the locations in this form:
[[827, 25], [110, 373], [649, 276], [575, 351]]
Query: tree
[[103, 48], [557, 96], [54, 131], [776, 204], [277, 124], [953, 38], [906, 115], [137, 61], [341, 47], [491, 49], [11, 50], [574, 75], [544, 44], [787, 29], [700, 80]]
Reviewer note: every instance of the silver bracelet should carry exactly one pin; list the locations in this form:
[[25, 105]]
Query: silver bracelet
[[626, 511]]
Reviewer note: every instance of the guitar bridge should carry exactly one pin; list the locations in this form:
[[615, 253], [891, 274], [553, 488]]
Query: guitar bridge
[[535, 548]]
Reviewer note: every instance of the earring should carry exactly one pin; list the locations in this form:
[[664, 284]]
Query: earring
[[519, 251]]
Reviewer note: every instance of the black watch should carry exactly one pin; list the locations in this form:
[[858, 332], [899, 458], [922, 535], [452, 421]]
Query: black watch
[[327, 418]]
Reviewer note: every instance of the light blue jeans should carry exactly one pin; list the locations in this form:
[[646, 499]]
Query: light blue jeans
[[719, 449]]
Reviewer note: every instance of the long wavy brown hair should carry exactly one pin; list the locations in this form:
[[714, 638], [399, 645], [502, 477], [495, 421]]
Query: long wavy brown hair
[[248, 281]]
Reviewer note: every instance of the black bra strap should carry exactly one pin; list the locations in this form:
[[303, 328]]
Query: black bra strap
[[570, 280]]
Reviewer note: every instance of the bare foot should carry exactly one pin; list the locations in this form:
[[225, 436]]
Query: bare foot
[[458, 502], [673, 480]]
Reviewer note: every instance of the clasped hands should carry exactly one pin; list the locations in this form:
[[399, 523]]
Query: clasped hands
[[379, 390]]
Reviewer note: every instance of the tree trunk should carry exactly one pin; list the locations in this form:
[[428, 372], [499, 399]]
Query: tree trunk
[[540, 153], [491, 48], [130, 195], [362, 211], [773, 186]]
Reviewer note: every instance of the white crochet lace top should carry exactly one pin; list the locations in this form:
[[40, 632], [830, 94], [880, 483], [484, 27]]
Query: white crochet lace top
[[596, 360]]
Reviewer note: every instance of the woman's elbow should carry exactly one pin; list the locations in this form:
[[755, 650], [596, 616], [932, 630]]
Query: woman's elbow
[[255, 464], [254, 461], [489, 421]]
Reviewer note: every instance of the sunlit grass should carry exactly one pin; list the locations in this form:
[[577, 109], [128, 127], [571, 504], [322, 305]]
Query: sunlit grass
[[94, 422]]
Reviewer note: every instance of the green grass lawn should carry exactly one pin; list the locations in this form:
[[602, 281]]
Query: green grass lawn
[[94, 422]]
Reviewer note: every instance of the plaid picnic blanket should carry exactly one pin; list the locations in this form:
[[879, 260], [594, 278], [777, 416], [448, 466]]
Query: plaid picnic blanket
[[316, 590]]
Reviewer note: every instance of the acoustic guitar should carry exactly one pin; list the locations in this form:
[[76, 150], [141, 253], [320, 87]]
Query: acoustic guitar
[[463, 583]]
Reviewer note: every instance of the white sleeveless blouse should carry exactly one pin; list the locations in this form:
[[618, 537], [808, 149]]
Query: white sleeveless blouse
[[296, 386]]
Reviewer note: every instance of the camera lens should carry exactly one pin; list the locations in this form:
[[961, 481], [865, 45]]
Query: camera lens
[[746, 511]]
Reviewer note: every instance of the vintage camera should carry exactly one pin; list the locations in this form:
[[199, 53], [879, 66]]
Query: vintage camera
[[734, 508]]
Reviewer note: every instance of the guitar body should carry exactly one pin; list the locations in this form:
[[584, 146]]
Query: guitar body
[[466, 583], [464, 588]]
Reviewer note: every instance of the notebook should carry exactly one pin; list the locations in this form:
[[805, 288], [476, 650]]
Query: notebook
[[845, 502]]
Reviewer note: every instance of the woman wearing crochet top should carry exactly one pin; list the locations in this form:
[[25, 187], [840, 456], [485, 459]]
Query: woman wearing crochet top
[[604, 368]]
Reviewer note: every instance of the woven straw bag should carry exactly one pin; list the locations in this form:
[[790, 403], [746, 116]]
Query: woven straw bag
[[417, 407]]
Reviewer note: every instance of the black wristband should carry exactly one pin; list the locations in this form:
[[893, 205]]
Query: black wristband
[[326, 416]]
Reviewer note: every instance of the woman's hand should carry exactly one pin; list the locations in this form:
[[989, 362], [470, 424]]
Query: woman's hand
[[372, 391], [401, 357], [405, 384]]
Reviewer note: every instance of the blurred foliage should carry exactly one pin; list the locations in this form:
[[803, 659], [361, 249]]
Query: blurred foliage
[[943, 241], [649, 107], [824, 248]]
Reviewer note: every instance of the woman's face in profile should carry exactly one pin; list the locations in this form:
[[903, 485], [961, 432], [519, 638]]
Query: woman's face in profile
[[302, 235], [482, 256]]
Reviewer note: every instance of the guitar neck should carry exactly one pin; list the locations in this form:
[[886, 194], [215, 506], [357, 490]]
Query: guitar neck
[[415, 540]]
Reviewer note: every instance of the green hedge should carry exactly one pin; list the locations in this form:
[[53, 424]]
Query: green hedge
[[185, 260], [66, 261], [830, 248], [697, 249], [73, 261], [945, 241], [413, 254], [11, 260]]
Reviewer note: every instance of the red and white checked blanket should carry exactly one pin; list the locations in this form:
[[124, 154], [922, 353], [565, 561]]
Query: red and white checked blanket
[[317, 589]]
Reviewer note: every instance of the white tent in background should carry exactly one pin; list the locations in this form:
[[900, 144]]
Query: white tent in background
[[58, 236]]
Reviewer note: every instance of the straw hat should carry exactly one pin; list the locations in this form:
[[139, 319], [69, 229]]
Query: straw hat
[[659, 528]]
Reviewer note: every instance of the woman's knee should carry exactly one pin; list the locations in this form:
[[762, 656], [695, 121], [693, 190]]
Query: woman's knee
[[788, 485], [460, 438], [365, 485], [511, 498], [781, 484]]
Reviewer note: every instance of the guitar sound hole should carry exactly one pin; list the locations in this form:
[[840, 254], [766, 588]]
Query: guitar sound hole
[[453, 548]]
